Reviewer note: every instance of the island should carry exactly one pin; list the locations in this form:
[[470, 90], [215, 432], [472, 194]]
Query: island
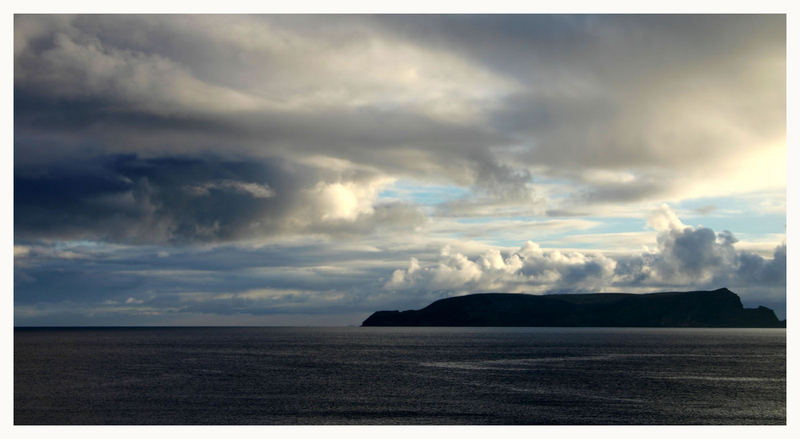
[[718, 308]]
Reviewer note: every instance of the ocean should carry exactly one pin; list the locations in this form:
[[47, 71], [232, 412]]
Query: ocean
[[407, 376]]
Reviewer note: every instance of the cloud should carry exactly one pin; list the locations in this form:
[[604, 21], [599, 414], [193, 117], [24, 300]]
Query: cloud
[[307, 277], [184, 200], [664, 219], [310, 275], [528, 269], [486, 102], [71, 63], [685, 257], [222, 156], [171, 66], [614, 89], [254, 189], [337, 201]]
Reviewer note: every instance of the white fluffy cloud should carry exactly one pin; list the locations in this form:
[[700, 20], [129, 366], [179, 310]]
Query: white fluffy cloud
[[664, 219], [685, 257], [528, 269], [343, 200]]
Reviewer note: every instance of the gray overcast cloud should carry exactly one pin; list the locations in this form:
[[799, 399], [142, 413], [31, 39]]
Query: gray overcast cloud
[[279, 169]]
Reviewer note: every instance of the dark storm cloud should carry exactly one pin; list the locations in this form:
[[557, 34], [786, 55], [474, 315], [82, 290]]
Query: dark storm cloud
[[392, 140], [131, 199], [181, 200], [146, 83], [424, 96], [235, 164]]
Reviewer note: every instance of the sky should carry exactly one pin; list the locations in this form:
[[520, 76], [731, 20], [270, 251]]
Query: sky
[[310, 169]]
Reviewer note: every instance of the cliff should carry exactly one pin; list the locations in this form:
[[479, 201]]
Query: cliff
[[718, 308]]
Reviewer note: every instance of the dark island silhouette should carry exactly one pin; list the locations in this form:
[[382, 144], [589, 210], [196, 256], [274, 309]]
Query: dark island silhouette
[[719, 308]]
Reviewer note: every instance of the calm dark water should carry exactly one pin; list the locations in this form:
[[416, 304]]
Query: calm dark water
[[399, 376]]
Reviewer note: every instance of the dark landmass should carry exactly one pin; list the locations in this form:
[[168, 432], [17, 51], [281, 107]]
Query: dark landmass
[[719, 308]]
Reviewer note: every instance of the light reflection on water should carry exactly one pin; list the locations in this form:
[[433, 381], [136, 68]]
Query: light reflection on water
[[400, 376]]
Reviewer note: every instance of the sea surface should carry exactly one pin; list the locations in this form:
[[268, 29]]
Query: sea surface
[[409, 376]]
